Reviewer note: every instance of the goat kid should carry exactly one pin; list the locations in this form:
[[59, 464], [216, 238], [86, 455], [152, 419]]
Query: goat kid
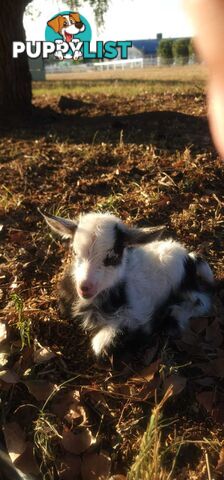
[[122, 278]]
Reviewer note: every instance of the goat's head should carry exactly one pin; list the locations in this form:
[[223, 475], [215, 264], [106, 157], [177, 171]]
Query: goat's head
[[99, 242]]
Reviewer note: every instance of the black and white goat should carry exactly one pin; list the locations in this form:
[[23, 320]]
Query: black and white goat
[[122, 277]]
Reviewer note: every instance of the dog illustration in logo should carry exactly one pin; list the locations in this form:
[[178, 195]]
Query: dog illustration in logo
[[67, 26]]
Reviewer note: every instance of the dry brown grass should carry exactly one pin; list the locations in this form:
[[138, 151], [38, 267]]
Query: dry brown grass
[[190, 73], [148, 158]]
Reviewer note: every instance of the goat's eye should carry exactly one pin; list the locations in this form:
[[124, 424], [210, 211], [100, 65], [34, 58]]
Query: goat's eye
[[112, 259]]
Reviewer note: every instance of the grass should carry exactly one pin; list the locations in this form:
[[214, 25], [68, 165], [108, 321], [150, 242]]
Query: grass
[[158, 455], [148, 465], [111, 204], [45, 436], [125, 83], [9, 199], [23, 323]]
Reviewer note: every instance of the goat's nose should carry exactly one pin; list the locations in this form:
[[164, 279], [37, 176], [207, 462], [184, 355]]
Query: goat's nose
[[86, 287]]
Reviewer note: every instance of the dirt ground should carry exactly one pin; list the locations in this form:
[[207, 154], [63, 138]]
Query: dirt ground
[[147, 156]]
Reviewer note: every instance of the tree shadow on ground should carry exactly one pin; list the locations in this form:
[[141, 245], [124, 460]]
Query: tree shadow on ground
[[166, 129]]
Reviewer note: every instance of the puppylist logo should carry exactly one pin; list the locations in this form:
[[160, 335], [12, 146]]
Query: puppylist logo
[[68, 35], [68, 31]]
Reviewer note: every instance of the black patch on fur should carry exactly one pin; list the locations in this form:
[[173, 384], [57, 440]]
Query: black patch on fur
[[114, 298], [112, 259], [171, 326], [162, 318], [107, 303], [190, 280], [114, 256], [129, 342], [119, 243]]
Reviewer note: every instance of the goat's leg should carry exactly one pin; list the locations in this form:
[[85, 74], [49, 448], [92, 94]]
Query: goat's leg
[[194, 304], [103, 339]]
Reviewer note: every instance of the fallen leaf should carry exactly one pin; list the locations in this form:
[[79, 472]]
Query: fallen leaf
[[9, 376], [220, 353], [217, 367], [3, 332], [24, 362], [150, 354], [189, 337], [214, 367], [14, 439], [40, 389], [198, 325], [60, 407], [95, 466], [27, 462], [189, 349], [98, 402], [177, 382], [70, 467], [68, 406], [205, 381], [3, 359], [43, 354], [147, 374], [218, 413], [214, 334], [77, 443], [206, 400], [76, 414]]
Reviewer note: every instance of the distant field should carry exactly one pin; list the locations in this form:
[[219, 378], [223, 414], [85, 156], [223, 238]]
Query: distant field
[[124, 82]]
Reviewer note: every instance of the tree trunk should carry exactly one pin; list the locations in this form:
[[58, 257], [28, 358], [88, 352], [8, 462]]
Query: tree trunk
[[15, 77]]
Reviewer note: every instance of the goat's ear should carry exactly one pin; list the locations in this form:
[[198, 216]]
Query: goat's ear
[[62, 226], [140, 236]]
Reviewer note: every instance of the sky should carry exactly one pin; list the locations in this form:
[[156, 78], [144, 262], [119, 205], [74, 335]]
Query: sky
[[124, 20]]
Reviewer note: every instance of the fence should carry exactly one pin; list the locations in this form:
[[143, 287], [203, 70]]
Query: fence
[[71, 67], [115, 64]]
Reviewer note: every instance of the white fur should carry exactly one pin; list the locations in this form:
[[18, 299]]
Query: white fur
[[103, 339], [94, 236], [150, 272]]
